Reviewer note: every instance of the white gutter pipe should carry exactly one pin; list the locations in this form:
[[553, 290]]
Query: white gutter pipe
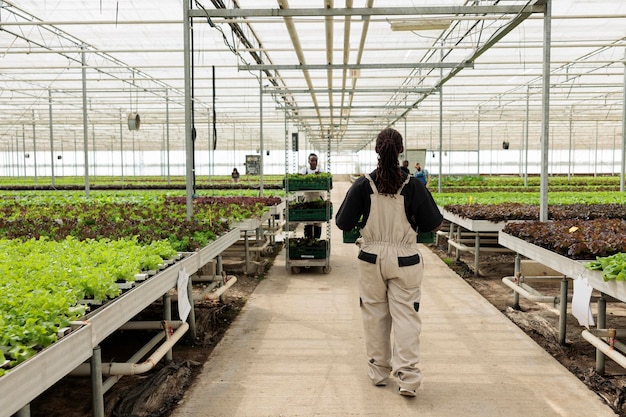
[[221, 290], [208, 293], [129, 368], [530, 293], [604, 347]]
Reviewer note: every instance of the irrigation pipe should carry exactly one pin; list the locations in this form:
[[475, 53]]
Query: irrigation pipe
[[221, 290], [214, 282], [530, 293], [132, 368], [604, 347]]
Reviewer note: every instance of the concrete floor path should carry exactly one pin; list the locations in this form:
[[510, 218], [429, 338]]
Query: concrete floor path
[[297, 350]]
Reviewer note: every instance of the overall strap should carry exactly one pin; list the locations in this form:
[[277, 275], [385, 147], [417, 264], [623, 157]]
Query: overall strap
[[371, 183], [406, 181]]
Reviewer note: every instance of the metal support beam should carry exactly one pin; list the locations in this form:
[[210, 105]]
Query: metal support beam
[[363, 11], [398, 90], [398, 65]]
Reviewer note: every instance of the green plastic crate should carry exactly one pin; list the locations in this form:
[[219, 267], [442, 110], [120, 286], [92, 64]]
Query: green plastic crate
[[351, 236], [309, 184], [426, 237], [307, 252], [318, 214]]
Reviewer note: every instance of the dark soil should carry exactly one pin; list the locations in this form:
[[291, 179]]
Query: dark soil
[[156, 393]]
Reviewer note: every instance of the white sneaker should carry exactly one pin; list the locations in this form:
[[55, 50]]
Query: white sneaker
[[406, 392]]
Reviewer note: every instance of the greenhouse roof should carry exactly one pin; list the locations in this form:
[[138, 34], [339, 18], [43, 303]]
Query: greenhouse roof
[[334, 71]]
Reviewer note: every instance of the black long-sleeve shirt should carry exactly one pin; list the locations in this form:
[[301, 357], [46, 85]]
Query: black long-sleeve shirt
[[419, 205]]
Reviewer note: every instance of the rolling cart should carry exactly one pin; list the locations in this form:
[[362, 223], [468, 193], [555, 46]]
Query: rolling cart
[[302, 252]]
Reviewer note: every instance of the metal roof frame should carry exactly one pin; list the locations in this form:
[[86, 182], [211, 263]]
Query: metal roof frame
[[356, 75]]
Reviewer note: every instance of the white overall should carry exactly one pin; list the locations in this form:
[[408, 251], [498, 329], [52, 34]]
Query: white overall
[[390, 293]]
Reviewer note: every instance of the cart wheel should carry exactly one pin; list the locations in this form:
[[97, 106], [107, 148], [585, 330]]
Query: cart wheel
[[295, 269], [327, 269]]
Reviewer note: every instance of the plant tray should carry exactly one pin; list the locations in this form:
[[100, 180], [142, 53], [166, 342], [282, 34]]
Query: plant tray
[[318, 214], [351, 236], [426, 237], [307, 252], [309, 184]]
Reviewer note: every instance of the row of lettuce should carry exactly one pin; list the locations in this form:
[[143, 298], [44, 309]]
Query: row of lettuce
[[58, 251], [450, 182], [592, 231]]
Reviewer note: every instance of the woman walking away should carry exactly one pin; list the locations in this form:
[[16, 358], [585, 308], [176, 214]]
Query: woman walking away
[[393, 205]]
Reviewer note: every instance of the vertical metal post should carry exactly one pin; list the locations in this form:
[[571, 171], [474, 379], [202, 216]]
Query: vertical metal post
[[167, 133], [569, 153], [62, 160], [595, 158], [406, 145], [122, 144], [188, 139], [623, 170], [517, 273], [51, 136], [112, 156], [218, 271], [449, 147], [545, 112], [450, 237], [132, 141], [234, 145], [34, 147], [261, 164], [167, 316], [218, 265], [563, 312], [478, 143], [247, 250], [93, 142], [491, 151], [476, 253], [440, 124], [24, 149], [96, 383], [12, 157], [526, 134], [210, 141], [85, 127], [601, 325], [75, 156]]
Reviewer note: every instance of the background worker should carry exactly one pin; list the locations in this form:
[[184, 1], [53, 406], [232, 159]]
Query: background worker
[[405, 167], [235, 175], [422, 174], [393, 206], [312, 168]]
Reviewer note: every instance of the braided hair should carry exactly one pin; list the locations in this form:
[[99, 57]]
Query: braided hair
[[388, 174]]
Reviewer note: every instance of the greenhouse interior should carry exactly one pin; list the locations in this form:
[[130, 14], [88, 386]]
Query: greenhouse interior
[[155, 196]]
